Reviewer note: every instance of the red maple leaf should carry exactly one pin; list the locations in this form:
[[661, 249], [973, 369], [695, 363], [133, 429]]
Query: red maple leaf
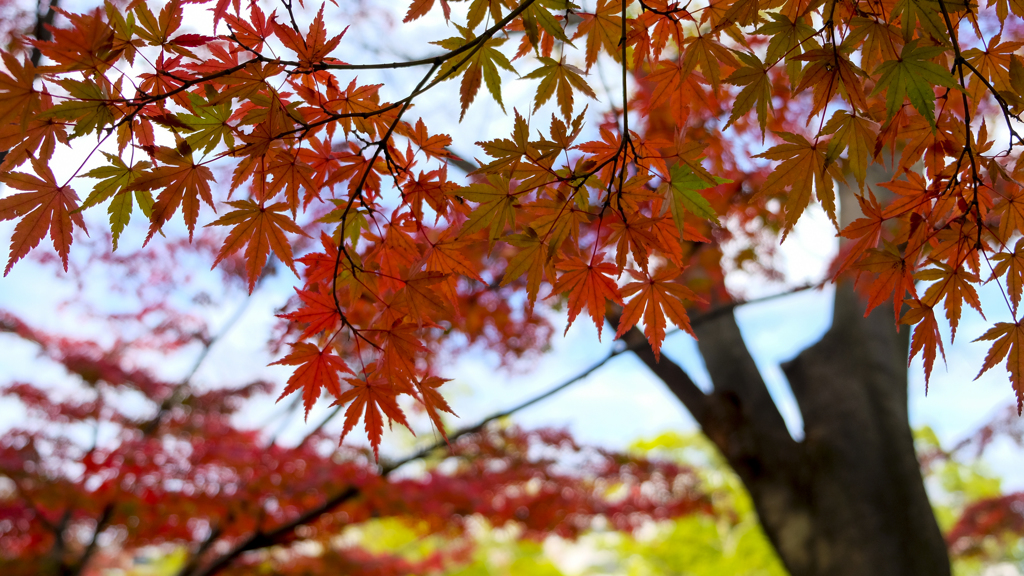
[[372, 399], [319, 311], [183, 181], [589, 284], [316, 369]]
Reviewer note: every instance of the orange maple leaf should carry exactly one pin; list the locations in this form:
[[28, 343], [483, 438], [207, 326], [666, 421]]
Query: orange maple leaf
[[420, 298], [1008, 339], [260, 229], [926, 338], [43, 206], [316, 369], [803, 170], [433, 146], [1012, 262], [867, 229], [603, 28], [953, 284], [18, 99], [433, 401], [895, 277], [589, 284], [659, 299]]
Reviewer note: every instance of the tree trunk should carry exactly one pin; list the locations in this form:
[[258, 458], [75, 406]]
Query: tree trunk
[[849, 499]]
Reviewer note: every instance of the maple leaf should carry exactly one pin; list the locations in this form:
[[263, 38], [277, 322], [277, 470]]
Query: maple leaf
[[371, 399], [290, 174], [209, 124], [1011, 264], [894, 277], [87, 45], [183, 182], [787, 40], [602, 29], [925, 12], [18, 99], [531, 259], [260, 229], [43, 206], [588, 284], [435, 146], [682, 194], [319, 311], [480, 65], [868, 229], [856, 135], [926, 338], [434, 402], [658, 299], [757, 90], [804, 168], [912, 76], [830, 72], [432, 187], [315, 47], [446, 256], [710, 55], [953, 284], [418, 298], [557, 77], [316, 369], [1008, 338], [87, 109], [633, 235], [38, 138], [115, 183], [400, 347], [497, 207]]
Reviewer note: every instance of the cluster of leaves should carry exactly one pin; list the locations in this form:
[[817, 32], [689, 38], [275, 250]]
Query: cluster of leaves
[[269, 111], [188, 475]]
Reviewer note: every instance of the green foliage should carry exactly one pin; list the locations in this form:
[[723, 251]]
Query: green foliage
[[728, 542]]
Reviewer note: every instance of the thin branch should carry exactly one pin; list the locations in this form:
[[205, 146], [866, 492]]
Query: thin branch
[[180, 392], [90, 549]]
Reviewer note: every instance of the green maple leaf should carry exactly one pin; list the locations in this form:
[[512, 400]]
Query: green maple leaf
[[912, 76], [682, 194], [115, 182], [87, 109], [497, 205], [209, 124], [539, 15]]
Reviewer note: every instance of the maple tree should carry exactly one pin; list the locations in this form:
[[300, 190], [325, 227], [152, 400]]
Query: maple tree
[[728, 119]]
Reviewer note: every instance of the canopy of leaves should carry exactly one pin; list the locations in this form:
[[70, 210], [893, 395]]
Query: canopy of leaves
[[723, 123]]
